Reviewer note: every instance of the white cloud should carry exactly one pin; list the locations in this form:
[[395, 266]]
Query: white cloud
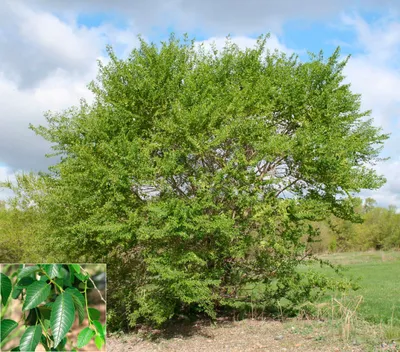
[[244, 42], [375, 75], [45, 64], [6, 174], [389, 194], [217, 17]]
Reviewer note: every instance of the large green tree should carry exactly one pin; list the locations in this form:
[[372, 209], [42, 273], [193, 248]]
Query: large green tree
[[196, 173]]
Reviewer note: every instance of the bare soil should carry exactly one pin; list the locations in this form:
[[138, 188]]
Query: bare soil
[[241, 336]]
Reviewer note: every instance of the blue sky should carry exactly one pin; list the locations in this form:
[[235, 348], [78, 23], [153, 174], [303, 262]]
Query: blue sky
[[50, 48]]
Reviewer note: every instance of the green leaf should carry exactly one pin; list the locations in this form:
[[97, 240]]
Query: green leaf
[[31, 338], [43, 341], [7, 325], [25, 281], [99, 342], [76, 267], [31, 318], [79, 302], [16, 292], [45, 312], [36, 293], [28, 270], [59, 282], [99, 328], [84, 337], [81, 276], [53, 270], [46, 323], [16, 349], [62, 317], [94, 314], [62, 344], [67, 275], [6, 288]]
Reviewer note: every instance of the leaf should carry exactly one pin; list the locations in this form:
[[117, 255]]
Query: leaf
[[46, 324], [31, 318], [99, 342], [31, 338], [62, 317], [36, 293], [84, 337], [7, 325], [76, 267], [16, 349], [59, 282], [81, 276], [45, 312], [6, 288], [43, 341], [94, 314], [99, 328], [53, 270], [25, 281], [62, 344], [28, 270], [16, 292], [79, 302]]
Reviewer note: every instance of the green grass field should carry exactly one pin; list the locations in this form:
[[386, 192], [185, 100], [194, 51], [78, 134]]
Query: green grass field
[[379, 275]]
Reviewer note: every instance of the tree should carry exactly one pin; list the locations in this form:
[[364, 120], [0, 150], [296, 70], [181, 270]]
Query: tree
[[202, 170]]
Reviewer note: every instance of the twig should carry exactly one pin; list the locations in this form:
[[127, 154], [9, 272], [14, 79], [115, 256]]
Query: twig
[[101, 296]]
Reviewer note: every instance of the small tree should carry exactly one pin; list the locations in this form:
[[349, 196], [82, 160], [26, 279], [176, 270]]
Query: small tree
[[202, 170]]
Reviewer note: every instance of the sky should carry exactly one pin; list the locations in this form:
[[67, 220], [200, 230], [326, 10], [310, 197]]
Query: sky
[[49, 51]]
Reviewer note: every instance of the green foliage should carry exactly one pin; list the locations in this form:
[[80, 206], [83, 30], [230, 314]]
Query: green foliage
[[379, 229], [203, 170], [7, 325], [50, 301], [23, 235]]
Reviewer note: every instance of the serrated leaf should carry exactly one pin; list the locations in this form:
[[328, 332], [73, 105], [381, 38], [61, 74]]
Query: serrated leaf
[[31, 338], [6, 288], [62, 317], [99, 328], [84, 337], [99, 342], [36, 293], [16, 349], [28, 270], [79, 302], [94, 314], [7, 325], [53, 270], [76, 267]]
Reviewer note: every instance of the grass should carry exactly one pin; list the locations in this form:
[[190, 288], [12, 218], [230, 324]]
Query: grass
[[379, 279]]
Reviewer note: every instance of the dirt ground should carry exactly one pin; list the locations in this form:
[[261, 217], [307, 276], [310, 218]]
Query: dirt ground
[[242, 336]]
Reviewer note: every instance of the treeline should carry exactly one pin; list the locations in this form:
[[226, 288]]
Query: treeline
[[378, 228]]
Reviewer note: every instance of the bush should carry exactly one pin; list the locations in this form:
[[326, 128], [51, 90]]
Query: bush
[[197, 174]]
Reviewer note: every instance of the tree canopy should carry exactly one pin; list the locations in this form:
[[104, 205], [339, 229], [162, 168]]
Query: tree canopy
[[200, 171]]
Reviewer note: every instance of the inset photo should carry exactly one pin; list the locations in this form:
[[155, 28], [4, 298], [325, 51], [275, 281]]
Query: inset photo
[[53, 307]]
